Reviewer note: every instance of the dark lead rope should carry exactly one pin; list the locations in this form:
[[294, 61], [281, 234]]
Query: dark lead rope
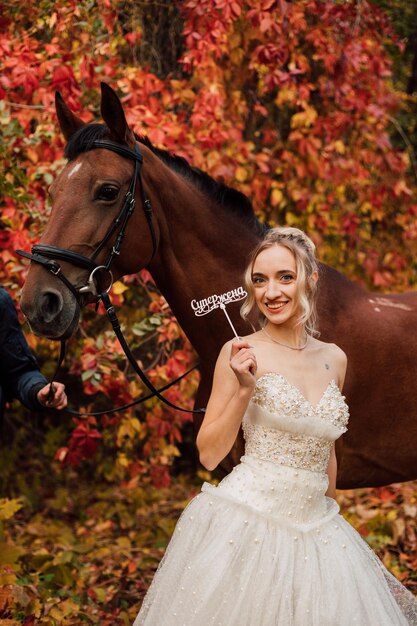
[[111, 312], [138, 401]]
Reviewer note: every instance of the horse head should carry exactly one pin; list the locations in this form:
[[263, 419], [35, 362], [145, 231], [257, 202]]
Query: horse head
[[87, 242]]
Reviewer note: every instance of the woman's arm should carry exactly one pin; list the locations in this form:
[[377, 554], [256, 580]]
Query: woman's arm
[[233, 385]]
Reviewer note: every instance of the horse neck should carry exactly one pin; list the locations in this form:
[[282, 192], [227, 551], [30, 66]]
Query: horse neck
[[202, 251]]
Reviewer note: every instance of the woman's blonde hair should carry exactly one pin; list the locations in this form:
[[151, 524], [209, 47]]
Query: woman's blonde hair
[[303, 250]]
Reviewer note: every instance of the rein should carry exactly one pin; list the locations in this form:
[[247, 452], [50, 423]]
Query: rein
[[46, 256]]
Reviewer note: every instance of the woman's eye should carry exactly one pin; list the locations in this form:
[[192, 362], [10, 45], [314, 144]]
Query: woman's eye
[[108, 192], [287, 277], [257, 280]]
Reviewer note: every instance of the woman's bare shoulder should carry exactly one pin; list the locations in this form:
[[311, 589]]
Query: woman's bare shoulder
[[338, 353], [331, 349], [334, 358]]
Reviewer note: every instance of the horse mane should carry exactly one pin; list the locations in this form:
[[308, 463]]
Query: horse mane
[[231, 199]]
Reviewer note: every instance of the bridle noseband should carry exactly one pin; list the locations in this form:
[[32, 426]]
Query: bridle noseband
[[47, 255]]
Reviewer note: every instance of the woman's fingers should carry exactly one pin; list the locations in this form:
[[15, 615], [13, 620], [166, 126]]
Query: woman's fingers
[[238, 345], [244, 362], [249, 365], [242, 355]]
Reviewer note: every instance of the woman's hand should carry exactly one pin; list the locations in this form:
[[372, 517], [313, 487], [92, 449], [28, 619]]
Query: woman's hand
[[243, 363]]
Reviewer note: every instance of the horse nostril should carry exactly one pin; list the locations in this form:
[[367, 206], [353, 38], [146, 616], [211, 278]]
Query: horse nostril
[[51, 305]]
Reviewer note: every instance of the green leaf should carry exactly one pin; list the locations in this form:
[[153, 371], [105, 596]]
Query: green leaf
[[9, 507]]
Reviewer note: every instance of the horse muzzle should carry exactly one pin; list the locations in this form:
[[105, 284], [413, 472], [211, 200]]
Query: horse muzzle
[[51, 313]]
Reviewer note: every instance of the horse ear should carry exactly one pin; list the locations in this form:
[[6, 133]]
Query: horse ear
[[68, 122], [113, 114]]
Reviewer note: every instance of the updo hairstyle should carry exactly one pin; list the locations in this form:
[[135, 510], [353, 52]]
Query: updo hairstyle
[[303, 250]]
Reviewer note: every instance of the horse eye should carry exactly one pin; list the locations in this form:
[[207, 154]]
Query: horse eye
[[108, 192]]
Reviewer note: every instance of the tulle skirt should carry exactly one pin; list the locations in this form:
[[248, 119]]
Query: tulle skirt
[[267, 548]]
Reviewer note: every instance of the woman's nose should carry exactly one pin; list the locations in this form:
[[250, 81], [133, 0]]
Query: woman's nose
[[273, 290]]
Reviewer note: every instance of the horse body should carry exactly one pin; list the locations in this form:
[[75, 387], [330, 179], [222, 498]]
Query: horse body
[[204, 232], [375, 333]]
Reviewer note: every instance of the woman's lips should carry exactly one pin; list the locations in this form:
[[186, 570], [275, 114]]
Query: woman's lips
[[275, 306]]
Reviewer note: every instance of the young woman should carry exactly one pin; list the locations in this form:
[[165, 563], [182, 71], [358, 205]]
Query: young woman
[[267, 547]]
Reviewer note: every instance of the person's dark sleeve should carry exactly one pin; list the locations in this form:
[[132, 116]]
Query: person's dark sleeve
[[19, 372]]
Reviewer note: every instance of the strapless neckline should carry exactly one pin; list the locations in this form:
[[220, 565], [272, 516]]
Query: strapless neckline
[[331, 385]]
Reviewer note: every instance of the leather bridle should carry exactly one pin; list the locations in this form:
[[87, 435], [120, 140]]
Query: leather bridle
[[47, 255]]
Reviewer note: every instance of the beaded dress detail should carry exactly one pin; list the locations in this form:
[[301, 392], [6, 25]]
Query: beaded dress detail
[[266, 547]]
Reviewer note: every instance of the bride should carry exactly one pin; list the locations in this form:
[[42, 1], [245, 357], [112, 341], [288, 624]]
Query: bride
[[267, 546]]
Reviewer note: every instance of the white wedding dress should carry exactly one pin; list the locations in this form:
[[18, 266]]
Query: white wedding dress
[[267, 547]]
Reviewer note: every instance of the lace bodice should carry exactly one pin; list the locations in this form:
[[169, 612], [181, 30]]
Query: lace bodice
[[282, 426]]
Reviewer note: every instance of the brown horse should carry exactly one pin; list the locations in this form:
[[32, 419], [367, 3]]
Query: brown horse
[[203, 232]]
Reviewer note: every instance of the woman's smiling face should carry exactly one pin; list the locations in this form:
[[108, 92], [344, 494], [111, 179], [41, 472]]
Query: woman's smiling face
[[274, 278]]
